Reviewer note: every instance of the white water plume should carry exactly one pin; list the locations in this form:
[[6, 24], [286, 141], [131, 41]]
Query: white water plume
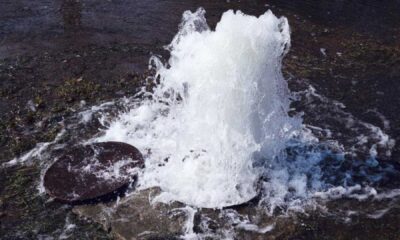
[[219, 106]]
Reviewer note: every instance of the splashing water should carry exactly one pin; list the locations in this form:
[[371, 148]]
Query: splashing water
[[220, 106], [215, 130]]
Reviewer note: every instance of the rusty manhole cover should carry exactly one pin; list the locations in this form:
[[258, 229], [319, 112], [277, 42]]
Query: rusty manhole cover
[[91, 171]]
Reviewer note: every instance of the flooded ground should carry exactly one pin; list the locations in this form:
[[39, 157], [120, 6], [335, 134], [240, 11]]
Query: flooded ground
[[57, 57]]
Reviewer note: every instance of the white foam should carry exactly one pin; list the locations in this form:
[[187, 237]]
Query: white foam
[[378, 214], [254, 228], [188, 232], [220, 105], [68, 229], [36, 152]]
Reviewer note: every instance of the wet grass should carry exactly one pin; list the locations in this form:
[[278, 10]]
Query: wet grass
[[26, 215], [23, 213]]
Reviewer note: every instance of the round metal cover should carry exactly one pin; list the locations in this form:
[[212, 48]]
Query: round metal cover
[[91, 171]]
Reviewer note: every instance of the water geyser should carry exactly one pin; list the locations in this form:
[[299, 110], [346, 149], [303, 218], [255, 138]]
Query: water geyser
[[220, 105]]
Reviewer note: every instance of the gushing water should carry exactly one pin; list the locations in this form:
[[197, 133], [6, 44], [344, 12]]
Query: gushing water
[[215, 132], [219, 106]]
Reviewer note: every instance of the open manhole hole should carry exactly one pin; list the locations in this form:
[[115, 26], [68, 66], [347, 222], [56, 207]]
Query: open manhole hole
[[91, 171]]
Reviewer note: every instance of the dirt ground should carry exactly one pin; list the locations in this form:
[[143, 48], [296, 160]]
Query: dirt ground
[[57, 56]]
